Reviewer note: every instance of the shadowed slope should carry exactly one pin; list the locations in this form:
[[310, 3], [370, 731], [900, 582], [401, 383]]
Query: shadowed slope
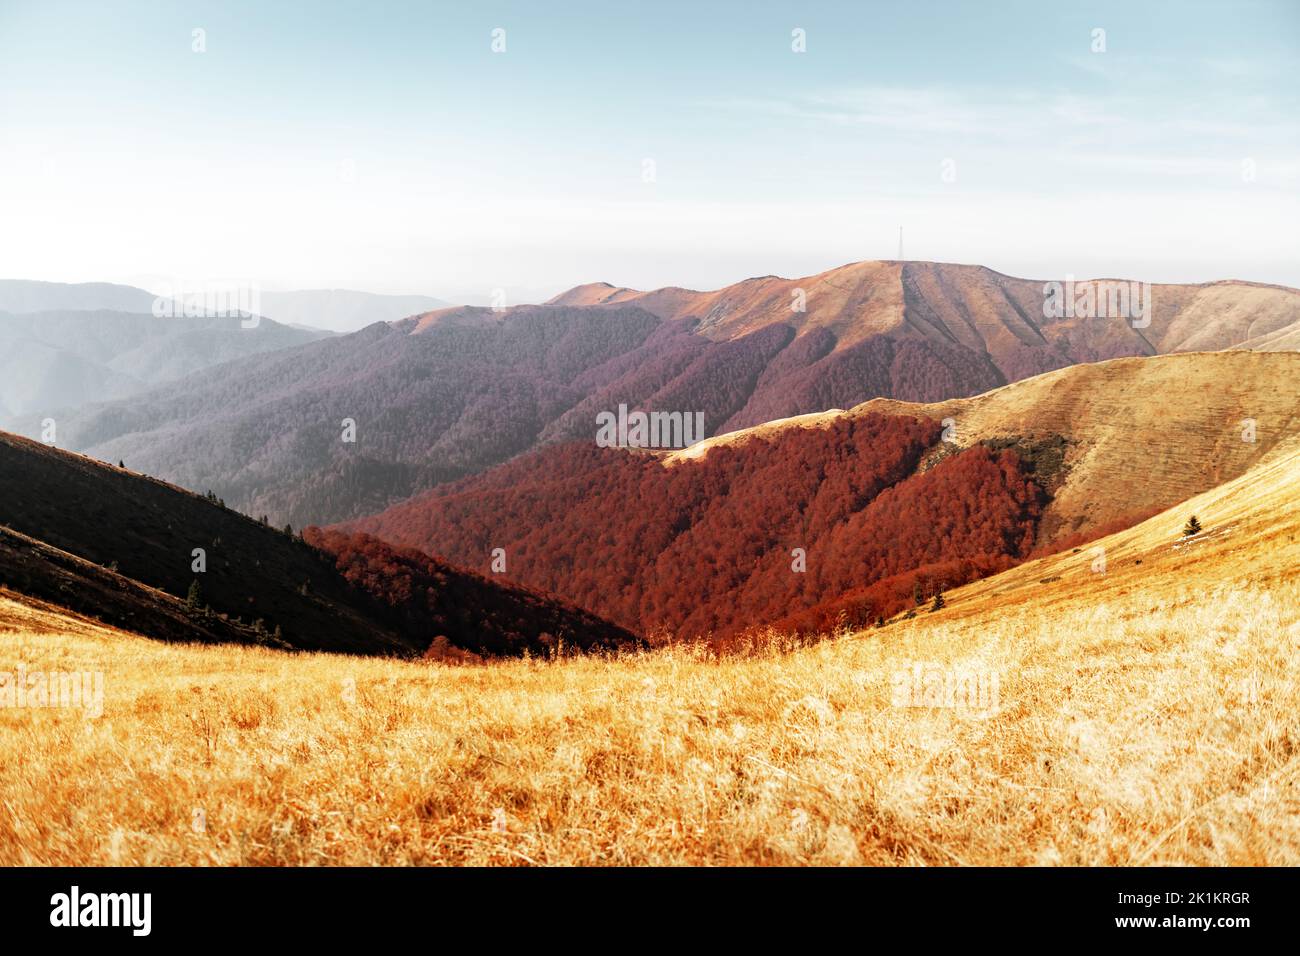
[[123, 547]]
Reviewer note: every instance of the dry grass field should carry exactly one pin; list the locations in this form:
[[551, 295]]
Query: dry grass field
[[1147, 715]]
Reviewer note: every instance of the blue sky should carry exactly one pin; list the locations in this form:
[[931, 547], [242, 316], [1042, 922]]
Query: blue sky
[[385, 146]]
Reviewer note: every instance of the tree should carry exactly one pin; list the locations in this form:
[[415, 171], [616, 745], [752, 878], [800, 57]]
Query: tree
[[1192, 527], [939, 603], [916, 593], [195, 596]]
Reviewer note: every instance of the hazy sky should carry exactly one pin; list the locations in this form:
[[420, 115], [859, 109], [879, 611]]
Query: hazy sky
[[385, 146]]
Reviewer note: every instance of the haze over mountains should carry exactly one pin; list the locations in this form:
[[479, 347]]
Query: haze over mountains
[[453, 392], [343, 310], [67, 345], [334, 310], [50, 361]]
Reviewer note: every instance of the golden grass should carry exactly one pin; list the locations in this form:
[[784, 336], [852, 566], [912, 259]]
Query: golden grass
[[1146, 716]]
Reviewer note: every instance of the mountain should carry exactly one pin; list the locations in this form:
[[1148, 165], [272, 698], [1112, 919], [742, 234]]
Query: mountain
[[122, 547], [862, 324], [1141, 716], [343, 310], [719, 544], [969, 304], [704, 540], [336, 310], [1250, 539], [26, 295], [431, 401], [1135, 435], [452, 392], [56, 361]]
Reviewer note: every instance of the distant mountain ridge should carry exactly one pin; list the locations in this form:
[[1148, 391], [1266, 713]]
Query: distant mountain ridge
[[332, 310], [64, 345], [967, 304], [449, 393], [55, 361], [343, 310]]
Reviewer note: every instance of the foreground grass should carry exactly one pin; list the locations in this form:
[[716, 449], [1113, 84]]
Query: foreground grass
[[1121, 737], [1146, 715]]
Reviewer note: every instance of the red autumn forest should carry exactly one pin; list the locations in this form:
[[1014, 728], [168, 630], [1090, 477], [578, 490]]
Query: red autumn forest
[[454, 609], [709, 545]]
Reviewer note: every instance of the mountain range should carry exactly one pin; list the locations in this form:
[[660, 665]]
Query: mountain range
[[63, 346], [982, 429], [334, 310], [453, 392]]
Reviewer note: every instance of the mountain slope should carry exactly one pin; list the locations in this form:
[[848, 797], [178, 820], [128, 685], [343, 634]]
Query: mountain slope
[[1250, 541], [995, 321], [717, 545], [55, 361], [27, 295], [122, 547], [702, 540], [455, 391], [963, 303], [1137, 434], [1145, 716]]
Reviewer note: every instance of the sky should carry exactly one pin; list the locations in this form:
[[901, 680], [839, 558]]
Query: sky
[[388, 147]]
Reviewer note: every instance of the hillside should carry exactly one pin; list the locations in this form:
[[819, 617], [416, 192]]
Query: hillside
[[1145, 716], [737, 539], [27, 295], [122, 547], [870, 327], [455, 391], [53, 362], [1134, 435], [702, 541], [973, 305]]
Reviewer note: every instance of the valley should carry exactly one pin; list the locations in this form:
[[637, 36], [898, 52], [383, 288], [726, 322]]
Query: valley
[[1145, 716]]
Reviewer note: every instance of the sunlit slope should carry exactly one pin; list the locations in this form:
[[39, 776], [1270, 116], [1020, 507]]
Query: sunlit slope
[[1250, 537], [973, 306], [1145, 716], [1139, 434]]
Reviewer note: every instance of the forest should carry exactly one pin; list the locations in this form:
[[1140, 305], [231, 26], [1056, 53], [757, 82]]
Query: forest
[[749, 534], [461, 615]]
